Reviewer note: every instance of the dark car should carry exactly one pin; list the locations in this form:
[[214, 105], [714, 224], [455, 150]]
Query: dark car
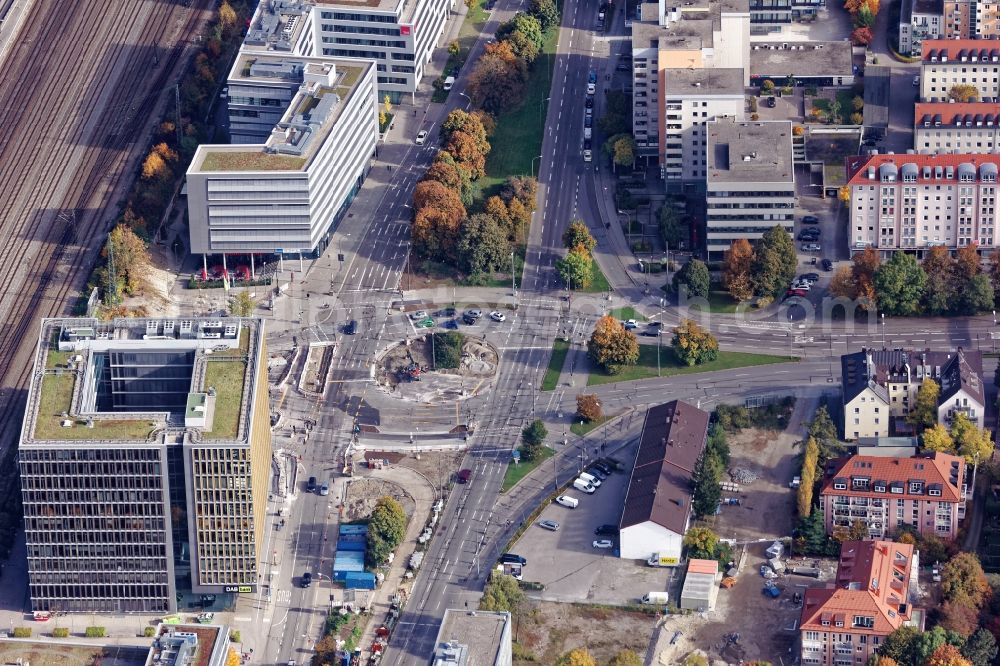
[[650, 333], [454, 70], [445, 312], [463, 475], [655, 324], [827, 265], [603, 467], [606, 530], [810, 219], [812, 277], [592, 77], [468, 319], [351, 328], [307, 579], [808, 234], [450, 324], [311, 484], [599, 473], [588, 121], [623, 67], [511, 558], [589, 103], [771, 102], [586, 144]]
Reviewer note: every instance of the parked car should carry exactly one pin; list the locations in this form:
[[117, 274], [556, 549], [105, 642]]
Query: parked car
[[594, 471], [475, 314], [463, 475], [811, 247], [771, 102], [311, 484], [629, 324], [588, 155], [591, 479], [604, 543], [796, 292], [418, 315], [827, 265], [324, 489], [567, 501], [511, 558], [451, 324], [425, 323], [591, 89], [548, 525], [603, 467], [588, 121], [623, 67], [812, 277], [589, 103], [810, 219], [496, 315], [592, 76], [606, 530], [650, 333], [445, 312], [916, 80], [468, 321]]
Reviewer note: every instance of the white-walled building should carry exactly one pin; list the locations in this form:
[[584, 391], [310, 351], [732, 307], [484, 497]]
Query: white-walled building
[[750, 183], [919, 20], [946, 63], [692, 99], [911, 202], [943, 127], [657, 508], [285, 194]]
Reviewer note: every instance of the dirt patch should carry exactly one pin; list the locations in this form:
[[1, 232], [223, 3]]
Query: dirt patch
[[547, 630], [363, 494], [45, 654], [155, 294], [405, 371]]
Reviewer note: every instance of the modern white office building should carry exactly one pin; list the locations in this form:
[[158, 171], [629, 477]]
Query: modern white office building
[[399, 35], [285, 192], [692, 99], [750, 183]]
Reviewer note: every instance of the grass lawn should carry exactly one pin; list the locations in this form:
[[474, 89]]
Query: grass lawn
[[517, 471], [518, 137], [669, 365], [627, 312], [718, 301], [227, 379], [581, 430], [56, 396], [551, 379], [472, 25], [598, 282]]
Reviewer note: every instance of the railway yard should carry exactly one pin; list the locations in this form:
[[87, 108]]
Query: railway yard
[[82, 85]]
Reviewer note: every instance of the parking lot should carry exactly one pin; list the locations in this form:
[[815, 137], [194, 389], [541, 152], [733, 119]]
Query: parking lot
[[568, 565]]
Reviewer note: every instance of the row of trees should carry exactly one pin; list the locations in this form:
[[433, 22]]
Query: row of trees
[[497, 83], [939, 285], [708, 471], [577, 268], [764, 269], [863, 14]]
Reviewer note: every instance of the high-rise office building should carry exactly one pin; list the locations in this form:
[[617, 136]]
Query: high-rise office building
[[145, 460]]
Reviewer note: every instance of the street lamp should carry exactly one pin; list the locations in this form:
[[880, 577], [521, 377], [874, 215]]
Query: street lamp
[[468, 98], [883, 330], [513, 287], [538, 157], [541, 105]]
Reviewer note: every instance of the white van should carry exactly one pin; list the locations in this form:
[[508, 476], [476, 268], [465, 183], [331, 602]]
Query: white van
[[587, 133], [449, 83], [566, 500], [580, 484], [591, 479]]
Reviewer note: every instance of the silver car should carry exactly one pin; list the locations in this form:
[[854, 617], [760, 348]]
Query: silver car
[[549, 524]]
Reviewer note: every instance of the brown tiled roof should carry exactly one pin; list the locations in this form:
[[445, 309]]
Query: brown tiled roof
[[703, 567], [872, 581], [983, 49], [941, 471], [948, 114], [857, 165], [659, 490]]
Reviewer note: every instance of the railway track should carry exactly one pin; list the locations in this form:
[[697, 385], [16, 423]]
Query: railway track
[[75, 115]]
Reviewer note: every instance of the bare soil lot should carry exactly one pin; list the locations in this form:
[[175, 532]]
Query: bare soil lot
[[546, 631], [363, 494], [47, 654]]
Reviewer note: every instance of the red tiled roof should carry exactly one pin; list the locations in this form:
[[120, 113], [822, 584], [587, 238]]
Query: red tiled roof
[[954, 46], [857, 165], [703, 567], [950, 111], [872, 581], [933, 469]]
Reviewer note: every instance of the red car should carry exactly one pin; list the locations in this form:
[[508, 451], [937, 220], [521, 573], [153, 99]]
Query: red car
[[463, 475], [796, 292]]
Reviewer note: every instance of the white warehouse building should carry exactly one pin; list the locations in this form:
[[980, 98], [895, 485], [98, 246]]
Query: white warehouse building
[[285, 192], [657, 508]]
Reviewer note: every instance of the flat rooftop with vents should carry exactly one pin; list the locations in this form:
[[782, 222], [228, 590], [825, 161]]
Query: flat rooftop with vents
[[467, 638], [741, 152]]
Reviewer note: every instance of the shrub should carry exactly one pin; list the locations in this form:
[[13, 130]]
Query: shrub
[[148, 632], [94, 632], [235, 636], [22, 632], [62, 632]]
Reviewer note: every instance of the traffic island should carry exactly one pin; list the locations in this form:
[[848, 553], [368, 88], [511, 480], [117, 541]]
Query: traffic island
[[437, 368]]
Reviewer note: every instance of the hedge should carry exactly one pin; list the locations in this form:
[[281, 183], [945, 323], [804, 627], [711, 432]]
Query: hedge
[[22, 632], [94, 632], [60, 632]]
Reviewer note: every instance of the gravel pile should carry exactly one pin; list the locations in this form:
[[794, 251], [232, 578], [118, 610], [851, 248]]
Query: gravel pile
[[742, 475]]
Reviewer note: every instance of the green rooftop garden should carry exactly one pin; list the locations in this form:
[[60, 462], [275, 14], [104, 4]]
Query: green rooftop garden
[[55, 397], [226, 377], [250, 161]]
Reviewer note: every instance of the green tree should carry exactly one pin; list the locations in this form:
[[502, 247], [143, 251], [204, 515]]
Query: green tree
[[981, 648], [707, 491], [940, 289], [672, 229], [774, 262], [864, 18], [701, 543], [612, 346], [695, 659], [822, 429], [534, 433], [545, 11], [977, 295], [717, 443], [576, 268], [527, 24], [577, 234], [483, 244], [973, 443], [936, 438], [621, 149], [386, 528], [924, 412], [627, 658], [617, 118], [448, 349], [900, 645], [498, 80], [899, 285], [242, 304], [502, 593], [694, 277], [963, 580], [693, 345], [807, 481]]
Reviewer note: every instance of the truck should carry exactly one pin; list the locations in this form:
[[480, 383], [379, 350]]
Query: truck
[[811, 572], [656, 598], [661, 560]]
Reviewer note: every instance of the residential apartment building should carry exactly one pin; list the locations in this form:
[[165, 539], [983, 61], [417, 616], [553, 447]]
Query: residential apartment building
[[926, 493], [691, 99], [399, 35], [145, 461], [942, 127], [920, 20], [880, 388], [750, 182], [675, 35], [911, 202], [946, 63], [285, 193], [768, 17], [845, 622]]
